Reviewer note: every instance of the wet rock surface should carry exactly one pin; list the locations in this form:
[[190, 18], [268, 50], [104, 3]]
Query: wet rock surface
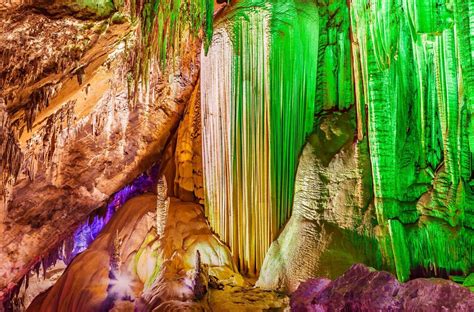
[[364, 289]]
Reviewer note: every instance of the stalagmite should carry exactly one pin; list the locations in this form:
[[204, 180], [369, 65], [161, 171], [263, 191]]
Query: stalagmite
[[162, 205], [200, 278]]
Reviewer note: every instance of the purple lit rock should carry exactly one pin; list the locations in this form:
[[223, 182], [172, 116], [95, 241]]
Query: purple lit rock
[[425, 293], [364, 289]]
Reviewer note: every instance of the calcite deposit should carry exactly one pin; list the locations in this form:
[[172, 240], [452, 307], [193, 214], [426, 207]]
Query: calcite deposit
[[69, 149], [130, 265], [212, 155]]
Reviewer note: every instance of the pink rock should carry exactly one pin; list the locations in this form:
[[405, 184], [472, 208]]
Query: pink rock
[[365, 289]]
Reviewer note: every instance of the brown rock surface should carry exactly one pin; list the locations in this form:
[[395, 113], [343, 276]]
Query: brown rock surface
[[188, 154], [83, 286], [75, 137]]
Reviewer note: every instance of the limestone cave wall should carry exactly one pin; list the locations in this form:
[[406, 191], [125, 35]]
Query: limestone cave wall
[[76, 126]]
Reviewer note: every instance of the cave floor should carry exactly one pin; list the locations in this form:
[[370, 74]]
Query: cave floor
[[162, 270]]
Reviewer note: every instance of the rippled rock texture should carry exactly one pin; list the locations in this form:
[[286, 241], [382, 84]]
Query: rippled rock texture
[[365, 289], [332, 224]]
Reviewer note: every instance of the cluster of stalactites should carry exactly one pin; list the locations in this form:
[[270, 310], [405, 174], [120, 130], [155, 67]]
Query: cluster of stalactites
[[414, 71], [258, 85], [11, 156], [42, 148], [163, 25], [334, 89]]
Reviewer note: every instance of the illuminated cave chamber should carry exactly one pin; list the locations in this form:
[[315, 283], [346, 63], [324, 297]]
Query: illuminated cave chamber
[[290, 141], [405, 68]]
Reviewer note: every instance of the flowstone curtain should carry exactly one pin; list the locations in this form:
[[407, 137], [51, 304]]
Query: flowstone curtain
[[258, 101]]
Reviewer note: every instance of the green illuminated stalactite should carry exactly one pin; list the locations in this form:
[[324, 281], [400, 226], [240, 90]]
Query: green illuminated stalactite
[[271, 108], [358, 47], [415, 62], [292, 87], [427, 105], [464, 34], [464, 18], [386, 93], [163, 23], [209, 5], [334, 79], [382, 110], [446, 75]]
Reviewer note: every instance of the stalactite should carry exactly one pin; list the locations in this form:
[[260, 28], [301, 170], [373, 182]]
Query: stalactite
[[334, 77], [163, 24], [464, 19], [45, 145], [216, 145], [37, 101], [292, 106], [11, 157], [257, 96], [412, 79]]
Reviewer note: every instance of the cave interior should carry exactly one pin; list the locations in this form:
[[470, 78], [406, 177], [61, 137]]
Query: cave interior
[[236, 155]]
